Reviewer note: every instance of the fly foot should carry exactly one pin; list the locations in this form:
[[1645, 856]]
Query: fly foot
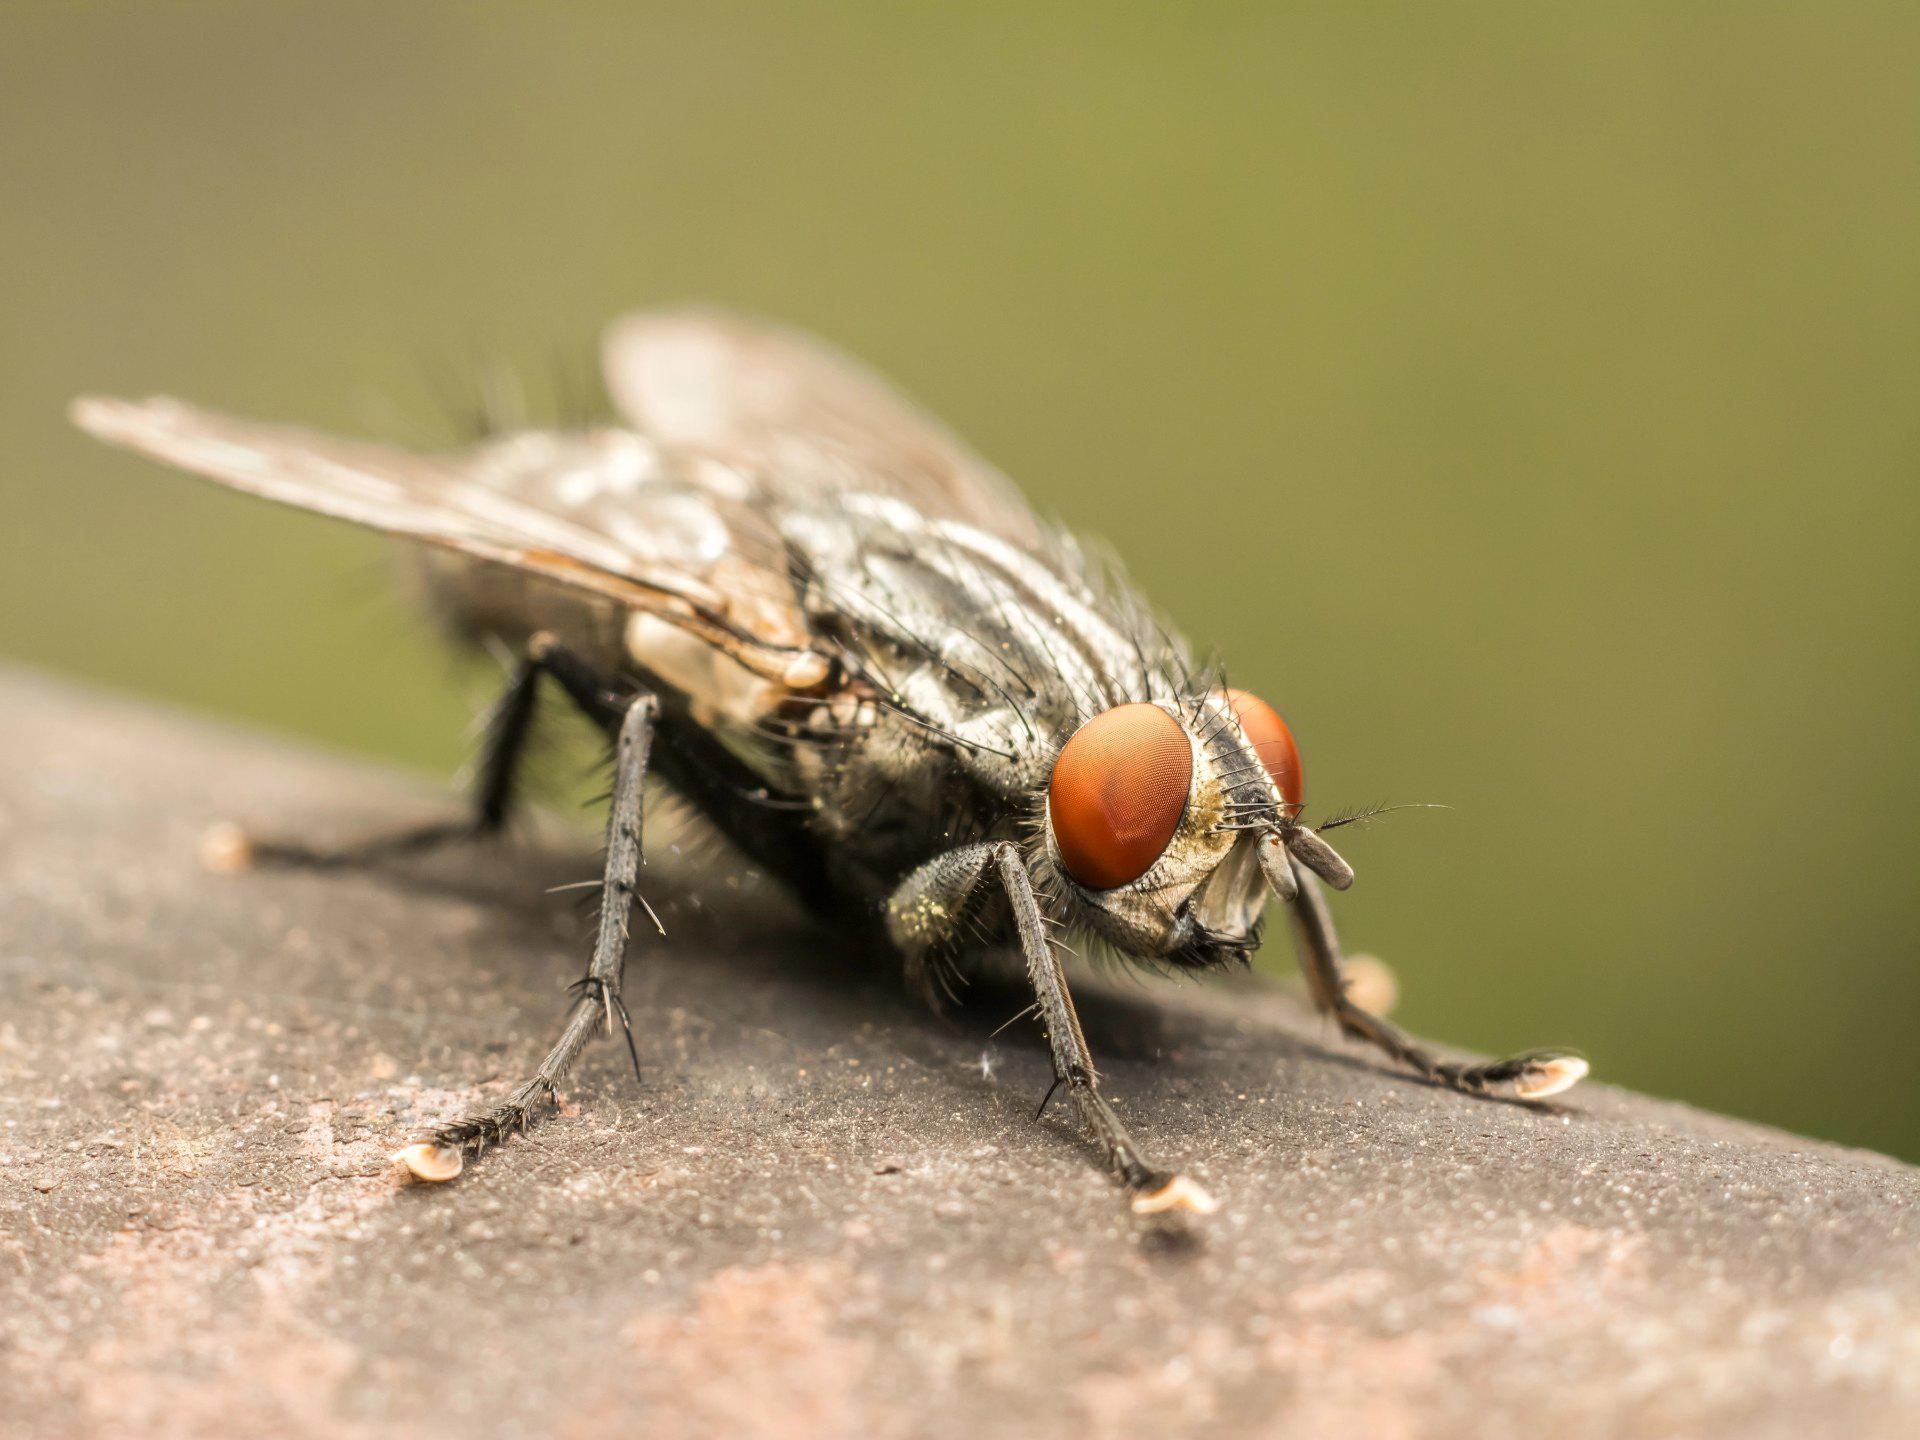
[[426, 1161], [1532, 1075], [225, 849], [1164, 1194]]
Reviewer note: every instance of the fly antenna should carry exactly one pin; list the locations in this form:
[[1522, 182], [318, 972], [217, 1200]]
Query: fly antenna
[[1374, 812]]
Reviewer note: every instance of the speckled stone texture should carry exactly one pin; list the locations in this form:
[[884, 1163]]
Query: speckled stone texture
[[824, 1212]]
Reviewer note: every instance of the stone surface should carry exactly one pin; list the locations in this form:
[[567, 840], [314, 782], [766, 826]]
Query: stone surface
[[823, 1211]]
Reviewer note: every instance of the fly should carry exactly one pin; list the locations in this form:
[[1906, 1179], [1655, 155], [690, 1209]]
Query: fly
[[803, 605]]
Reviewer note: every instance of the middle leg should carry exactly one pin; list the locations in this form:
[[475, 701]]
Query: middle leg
[[503, 748], [597, 1002]]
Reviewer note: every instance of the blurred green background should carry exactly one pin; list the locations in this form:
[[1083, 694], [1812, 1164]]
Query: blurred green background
[[1523, 397]]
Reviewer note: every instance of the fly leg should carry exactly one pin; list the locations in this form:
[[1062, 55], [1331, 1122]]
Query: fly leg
[[502, 748], [929, 908], [597, 1001], [1531, 1075]]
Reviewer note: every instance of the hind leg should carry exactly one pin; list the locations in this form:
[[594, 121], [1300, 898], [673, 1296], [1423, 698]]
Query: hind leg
[[502, 748]]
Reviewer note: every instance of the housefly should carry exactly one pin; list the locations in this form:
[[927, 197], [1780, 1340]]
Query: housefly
[[786, 593]]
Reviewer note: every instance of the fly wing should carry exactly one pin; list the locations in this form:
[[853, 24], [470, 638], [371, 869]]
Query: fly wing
[[594, 510], [799, 418]]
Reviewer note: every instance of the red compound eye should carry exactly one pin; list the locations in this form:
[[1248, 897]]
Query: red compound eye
[[1118, 791], [1272, 742]]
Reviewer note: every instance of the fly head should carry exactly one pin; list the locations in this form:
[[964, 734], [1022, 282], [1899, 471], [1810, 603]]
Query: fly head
[[1167, 827]]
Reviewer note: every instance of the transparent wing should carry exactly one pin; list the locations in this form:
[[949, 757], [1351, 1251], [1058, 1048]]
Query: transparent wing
[[596, 510], [798, 419]]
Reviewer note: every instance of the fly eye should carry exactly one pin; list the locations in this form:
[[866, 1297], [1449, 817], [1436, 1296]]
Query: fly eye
[[1117, 794], [1272, 742]]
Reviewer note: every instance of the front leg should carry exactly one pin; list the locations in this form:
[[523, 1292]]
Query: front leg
[[1531, 1075], [439, 1156], [929, 910]]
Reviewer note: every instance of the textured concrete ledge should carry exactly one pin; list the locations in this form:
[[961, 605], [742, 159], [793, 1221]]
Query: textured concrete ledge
[[824, 1212]]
